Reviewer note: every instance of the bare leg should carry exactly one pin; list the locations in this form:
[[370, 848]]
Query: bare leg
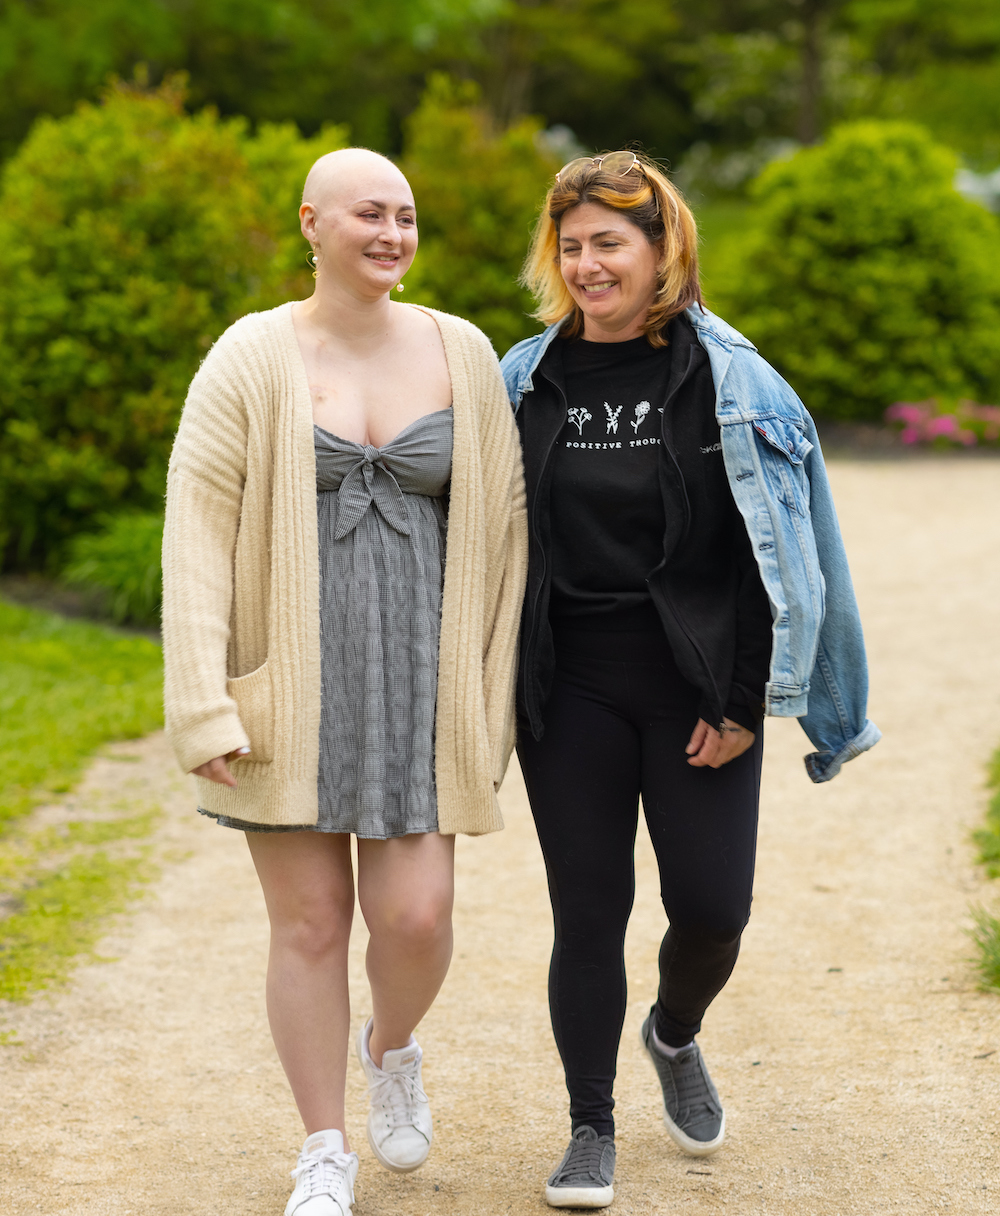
[[308, 884], [406, 888]]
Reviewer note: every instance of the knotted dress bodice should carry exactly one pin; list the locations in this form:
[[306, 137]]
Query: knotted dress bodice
[[416, 461]]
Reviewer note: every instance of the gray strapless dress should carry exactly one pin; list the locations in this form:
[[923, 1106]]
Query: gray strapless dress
[[382, 531]]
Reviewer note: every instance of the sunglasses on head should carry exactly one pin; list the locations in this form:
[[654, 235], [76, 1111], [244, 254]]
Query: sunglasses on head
[[615, 163]]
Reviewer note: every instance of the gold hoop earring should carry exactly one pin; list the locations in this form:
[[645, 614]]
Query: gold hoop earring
[[312, 259]]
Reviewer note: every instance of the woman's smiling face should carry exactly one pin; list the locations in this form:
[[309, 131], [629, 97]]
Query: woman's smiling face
[[609, 268], [364, 224]]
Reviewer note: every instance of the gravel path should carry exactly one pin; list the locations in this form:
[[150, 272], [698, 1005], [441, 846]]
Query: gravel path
[[858, 1063]]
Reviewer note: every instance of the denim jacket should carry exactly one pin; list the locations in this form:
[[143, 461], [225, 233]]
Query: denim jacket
[[776, 473]]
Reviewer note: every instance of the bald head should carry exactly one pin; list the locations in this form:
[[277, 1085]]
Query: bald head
[[350, 174]]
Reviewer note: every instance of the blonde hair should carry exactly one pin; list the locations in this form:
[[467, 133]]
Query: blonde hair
[[649, 200]]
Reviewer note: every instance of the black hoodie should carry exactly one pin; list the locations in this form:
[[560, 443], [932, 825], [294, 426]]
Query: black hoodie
[[705, 586]]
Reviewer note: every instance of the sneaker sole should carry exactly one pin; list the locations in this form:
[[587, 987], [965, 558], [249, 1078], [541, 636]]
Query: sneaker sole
[[579, 1196], [695, 1148], [348, 1211], [394, 1165]]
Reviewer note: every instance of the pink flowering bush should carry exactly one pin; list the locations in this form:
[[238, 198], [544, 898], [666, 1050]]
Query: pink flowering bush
[[964, 422]]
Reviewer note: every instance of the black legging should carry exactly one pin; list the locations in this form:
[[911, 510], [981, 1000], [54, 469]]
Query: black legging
[[616, 724]]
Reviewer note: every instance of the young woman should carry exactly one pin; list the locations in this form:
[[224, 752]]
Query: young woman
[[686, 576], [344, 562]]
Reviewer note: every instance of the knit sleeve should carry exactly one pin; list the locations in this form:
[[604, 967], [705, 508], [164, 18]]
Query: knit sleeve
[[204, 495], [507, 558]]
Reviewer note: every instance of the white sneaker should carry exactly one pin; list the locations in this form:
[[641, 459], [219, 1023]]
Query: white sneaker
[[399, 1122], [324, 1177]]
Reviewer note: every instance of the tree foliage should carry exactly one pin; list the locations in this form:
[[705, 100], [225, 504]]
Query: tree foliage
[[131, 235], [732, 75], [865, 278], [302, 61], [758, 72], [477, 191], [937, 62], [603, 66], [608, 69]]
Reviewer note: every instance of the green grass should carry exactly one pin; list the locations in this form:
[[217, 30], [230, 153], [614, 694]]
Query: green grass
[[60, 914], [66, 688], [987, 839], [986, 936]]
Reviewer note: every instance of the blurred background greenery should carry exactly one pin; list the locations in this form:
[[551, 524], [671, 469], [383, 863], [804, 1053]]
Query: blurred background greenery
[[717, 76], [841, 155]]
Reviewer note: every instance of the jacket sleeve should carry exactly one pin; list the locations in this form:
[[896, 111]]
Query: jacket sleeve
[[510, 368], [204, 495], [836, 721]]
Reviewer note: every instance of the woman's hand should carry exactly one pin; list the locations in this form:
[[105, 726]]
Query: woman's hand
[[711, 748], [218, 771]]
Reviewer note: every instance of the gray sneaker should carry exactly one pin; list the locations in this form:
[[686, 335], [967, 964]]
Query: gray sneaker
[[692, 1111], [584, 1177]]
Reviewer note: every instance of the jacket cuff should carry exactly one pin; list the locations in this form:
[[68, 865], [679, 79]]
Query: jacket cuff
[[786, 700], [824, 766]]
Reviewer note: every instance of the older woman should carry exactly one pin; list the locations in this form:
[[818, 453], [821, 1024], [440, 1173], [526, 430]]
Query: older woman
[[343, 572], [686, 576]]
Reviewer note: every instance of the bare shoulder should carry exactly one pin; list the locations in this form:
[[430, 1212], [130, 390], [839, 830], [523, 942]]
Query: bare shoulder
[[417, 324], [477, 352], [451, 326], [419, 336]]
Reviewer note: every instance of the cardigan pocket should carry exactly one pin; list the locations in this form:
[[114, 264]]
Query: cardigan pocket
[[254, 699]]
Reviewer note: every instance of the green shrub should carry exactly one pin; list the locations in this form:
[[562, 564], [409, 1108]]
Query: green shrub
[[477, 192], [66, 687], [865, 278], [123, 562], [131, 235]]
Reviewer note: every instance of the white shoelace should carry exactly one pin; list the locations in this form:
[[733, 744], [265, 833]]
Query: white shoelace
[[397, 1092], [324, 1172]]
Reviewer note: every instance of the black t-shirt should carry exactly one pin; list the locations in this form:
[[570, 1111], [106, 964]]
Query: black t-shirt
[[607, 506]]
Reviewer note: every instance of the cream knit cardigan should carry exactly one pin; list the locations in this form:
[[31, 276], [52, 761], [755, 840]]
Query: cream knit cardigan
[[241, 637]]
